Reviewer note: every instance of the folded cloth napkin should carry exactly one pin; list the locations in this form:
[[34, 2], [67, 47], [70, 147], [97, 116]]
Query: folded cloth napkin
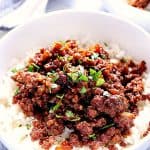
[[26, 10], [15, 12], [2, 147]]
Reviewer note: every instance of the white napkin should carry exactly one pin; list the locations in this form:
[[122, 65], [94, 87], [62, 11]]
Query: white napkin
[[28, 10]]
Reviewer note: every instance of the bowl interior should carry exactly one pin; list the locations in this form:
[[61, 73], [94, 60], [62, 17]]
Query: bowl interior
[[77, 25], [84, 26]]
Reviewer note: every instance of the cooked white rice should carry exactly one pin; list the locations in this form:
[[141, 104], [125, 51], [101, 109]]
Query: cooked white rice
[[14, 126]]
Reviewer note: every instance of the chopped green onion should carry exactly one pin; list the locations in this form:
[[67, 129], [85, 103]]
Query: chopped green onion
[[36, 66], [14, 70], [28, 126], [60, 57], [32, 67], [92, 136], [77, 76], [100, 82], [79, 61], [103, 56], [69, 58], [54, 79], [95, 56], [92, 72], [73, 76], [55, 108], [72, 116], [53, 75], [83, 78], [60, 96], [77, 118], [83, 90], [95, 74], [58, 116], [69, 114], [107, 126], [16, 91]]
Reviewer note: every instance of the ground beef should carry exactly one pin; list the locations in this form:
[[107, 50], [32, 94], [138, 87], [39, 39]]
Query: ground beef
[[147, 131], [139, 3], [125, 120], [99, 123], [74, 139], [111, 105], [84, 128], [91, 112], [68, 86]]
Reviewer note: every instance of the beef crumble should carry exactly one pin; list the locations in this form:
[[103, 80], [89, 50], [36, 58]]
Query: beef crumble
[[139, 3], [68, 86]]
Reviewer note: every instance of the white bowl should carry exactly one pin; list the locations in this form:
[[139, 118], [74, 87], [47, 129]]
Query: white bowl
[[123, 9], [77, 25]]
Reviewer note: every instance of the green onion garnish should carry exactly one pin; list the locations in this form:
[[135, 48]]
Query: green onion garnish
[[60, 96], [103, 56], [83, 90], [73, 76], [79, 61], [61, 58], [69, 58], [107, 126], [95, 74], [72, 117], [83, 77], [53, 75], [33, 67], [77, 118], [92, 136], [16, 91], [95, 56], [55, 108], [14, 70], [69, 114], [92, 72], [100, 82], [58, 116]]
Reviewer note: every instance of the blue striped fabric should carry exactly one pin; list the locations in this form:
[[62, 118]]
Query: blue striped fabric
[[2, 147], [7, 6]]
